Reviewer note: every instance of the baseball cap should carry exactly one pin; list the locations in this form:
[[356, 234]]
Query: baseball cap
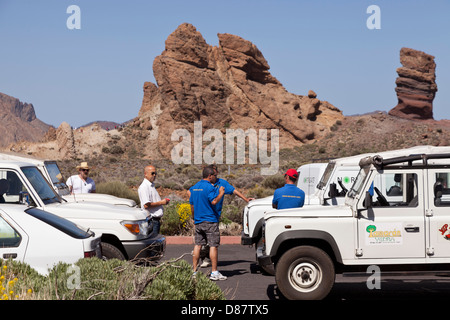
[[292, 173]]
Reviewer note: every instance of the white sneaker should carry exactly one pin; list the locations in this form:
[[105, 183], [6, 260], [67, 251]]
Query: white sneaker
[[206, 263], [216, 275]]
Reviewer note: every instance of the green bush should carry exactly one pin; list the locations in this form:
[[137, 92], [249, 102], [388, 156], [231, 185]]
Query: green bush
[[118, 189], [113, 280], [174, 221], [259, 192], [273, 182]]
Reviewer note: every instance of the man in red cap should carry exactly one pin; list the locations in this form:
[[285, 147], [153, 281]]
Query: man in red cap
[[289, 196]]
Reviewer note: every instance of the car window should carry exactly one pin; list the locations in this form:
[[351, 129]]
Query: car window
[[56, 177], [441, 189], [8, 235], [12, 190], [395, 189]]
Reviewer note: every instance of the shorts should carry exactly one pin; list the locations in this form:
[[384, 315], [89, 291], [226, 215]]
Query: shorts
[[207, 233]]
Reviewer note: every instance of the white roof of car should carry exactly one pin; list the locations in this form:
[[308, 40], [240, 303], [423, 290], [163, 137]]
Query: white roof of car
[[15, 164], [354, 160]]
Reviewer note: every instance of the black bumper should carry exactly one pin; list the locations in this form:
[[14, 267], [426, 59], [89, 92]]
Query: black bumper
[[246, 240], [262, 258], [147, 248]]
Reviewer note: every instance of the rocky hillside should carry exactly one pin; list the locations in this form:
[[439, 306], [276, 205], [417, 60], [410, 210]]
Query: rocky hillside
[[18, 122]]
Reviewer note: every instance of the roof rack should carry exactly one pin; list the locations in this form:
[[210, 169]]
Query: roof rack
[[379, 162]]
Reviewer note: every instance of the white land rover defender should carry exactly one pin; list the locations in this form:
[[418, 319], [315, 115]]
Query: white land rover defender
[[396, 216], [127, 233], [327, 184]]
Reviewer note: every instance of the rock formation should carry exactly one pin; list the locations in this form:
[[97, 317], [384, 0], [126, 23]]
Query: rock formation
[[226, 86], [416, 86], [19, 122], [65, 141]]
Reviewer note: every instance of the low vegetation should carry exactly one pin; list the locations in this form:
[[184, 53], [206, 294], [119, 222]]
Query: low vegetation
[[95, 279]]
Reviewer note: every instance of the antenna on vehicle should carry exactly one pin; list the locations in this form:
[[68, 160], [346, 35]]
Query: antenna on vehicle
[[71, 189]]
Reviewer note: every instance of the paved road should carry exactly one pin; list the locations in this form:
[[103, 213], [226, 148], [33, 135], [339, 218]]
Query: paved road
[[246, 282]]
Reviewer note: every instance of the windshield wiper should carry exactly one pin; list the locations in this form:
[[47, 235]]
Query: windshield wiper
[[48, 198]]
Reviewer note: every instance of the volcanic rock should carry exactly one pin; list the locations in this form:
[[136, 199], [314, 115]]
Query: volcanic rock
[[416, 86], [226, 86], [18, 122], [65, 141]]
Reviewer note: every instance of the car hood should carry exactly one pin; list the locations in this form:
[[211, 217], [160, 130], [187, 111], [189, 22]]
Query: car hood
[[95, 210], [312, 211], [267, 201], [261, 202], [99, 197]]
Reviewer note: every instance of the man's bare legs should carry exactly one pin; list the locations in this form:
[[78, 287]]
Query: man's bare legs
[[213, 254], [196, 257]]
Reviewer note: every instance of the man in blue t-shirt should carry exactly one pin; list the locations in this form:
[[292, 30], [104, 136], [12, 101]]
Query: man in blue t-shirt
[[229, 189], [204, 196], [289, 196]]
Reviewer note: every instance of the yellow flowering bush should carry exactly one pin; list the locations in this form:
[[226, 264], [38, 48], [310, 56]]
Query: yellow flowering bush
[[176, 219], [10, 286], [7, 287], [184, 213]]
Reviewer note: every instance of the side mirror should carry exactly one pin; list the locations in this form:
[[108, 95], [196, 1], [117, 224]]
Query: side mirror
[[367, 200], [333, 193], [24, 198]]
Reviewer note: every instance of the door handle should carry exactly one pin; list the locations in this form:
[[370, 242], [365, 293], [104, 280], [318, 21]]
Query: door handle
[[412, 229], [9, 255]]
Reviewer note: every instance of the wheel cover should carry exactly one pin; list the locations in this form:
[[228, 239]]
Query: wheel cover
[[305, 276]]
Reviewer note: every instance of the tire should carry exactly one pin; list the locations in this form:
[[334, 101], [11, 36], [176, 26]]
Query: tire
[[111, 252], [305, 273]]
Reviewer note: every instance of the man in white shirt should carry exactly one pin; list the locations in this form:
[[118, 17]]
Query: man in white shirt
[[150, 199], [81, 183]]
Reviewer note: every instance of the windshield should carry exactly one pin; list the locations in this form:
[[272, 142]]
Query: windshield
[[42, 187], [357, 185], [56, 177], [326, 175]]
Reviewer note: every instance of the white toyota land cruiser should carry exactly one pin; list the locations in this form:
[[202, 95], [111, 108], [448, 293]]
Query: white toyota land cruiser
[[127, 233], [51, 172], [396, 216]]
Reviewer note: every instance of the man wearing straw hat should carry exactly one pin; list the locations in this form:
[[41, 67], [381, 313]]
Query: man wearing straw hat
[[81, 183]]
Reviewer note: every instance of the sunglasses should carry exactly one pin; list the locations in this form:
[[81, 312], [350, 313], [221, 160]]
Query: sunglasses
[[153, 173], [85, 170]]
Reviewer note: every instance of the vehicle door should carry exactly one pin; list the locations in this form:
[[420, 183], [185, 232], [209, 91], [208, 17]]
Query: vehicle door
[[394, 225], [13, 240], [438, 214], [14, 190]]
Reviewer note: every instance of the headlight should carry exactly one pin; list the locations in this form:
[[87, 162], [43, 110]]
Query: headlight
[[139, 227]]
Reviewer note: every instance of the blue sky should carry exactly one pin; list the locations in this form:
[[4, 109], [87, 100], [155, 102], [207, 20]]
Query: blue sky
[[98, 71]]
